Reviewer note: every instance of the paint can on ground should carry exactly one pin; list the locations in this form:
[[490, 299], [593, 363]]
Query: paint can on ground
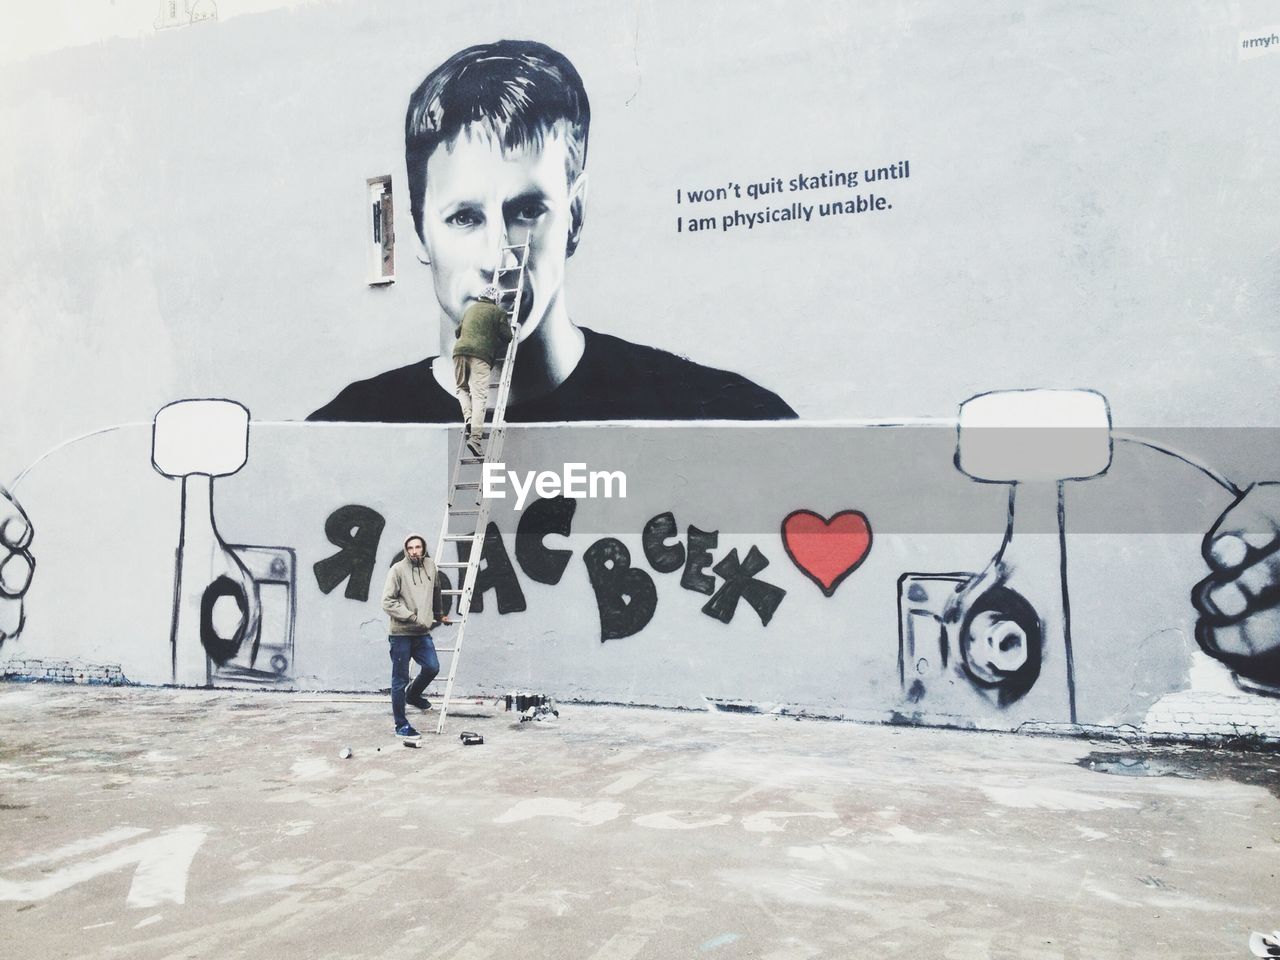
[[520, 702]]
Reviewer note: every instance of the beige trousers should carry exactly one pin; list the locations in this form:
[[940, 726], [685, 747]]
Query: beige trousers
[[471, 374]]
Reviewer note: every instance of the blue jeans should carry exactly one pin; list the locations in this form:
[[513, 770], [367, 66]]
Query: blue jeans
[[403, 649]]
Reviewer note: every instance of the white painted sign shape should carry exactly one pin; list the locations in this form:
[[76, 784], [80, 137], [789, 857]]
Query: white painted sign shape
[[160, 875], [206, 437], [1011, 436]]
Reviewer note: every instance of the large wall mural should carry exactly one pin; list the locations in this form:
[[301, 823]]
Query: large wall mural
[[968, 509], [496, 152], [844, 621]]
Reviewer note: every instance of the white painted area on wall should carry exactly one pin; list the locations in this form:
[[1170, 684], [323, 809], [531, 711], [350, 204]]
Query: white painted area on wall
[[1097, 191], [33, 29]]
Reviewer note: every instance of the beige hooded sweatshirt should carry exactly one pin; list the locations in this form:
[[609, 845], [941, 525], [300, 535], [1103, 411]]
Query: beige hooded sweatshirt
[[412, 597]]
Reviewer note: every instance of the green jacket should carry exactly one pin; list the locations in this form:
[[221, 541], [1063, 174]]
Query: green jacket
[[485, 332]]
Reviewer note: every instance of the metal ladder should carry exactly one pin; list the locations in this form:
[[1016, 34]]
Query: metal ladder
[[461, 507]]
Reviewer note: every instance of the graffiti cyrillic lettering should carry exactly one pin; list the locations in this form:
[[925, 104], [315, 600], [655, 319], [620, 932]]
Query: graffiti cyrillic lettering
[[356, 530], [740, 582], [540, 562], [625, 595], [496, 573], [663, 557], [700, 544]]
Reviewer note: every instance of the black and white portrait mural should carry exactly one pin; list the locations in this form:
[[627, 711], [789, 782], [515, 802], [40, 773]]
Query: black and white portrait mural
[[496, 154]]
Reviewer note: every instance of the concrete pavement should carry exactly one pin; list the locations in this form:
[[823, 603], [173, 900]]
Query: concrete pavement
[[171, 823]]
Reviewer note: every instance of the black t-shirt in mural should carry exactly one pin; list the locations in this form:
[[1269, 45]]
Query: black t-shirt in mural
[[614, 380]]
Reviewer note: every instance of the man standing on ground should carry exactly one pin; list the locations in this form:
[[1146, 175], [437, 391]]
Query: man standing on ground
[[413, 601], [485, 331]]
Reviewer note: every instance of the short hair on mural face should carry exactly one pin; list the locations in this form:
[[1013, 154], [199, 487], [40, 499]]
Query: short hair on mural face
[[520, 90]]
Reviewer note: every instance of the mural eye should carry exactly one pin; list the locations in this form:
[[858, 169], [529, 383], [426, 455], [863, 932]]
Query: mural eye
[[464, 218], [528, 211]]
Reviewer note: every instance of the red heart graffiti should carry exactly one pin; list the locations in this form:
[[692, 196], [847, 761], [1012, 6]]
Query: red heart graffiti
[[826, 551]]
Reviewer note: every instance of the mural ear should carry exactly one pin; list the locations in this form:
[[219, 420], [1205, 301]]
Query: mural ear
[[577, 212], [420, 250]]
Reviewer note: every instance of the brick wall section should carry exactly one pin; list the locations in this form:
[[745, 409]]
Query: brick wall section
[[1192, 714], [64, 671]]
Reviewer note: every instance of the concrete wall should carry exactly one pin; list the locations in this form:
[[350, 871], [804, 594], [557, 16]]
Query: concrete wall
[[1089, 205]]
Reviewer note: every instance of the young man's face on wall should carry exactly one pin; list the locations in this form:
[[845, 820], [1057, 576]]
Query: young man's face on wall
[[478, 199]]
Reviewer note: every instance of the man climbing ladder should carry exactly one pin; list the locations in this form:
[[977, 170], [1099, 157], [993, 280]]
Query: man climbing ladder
[[485, 330], [485, 326]]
